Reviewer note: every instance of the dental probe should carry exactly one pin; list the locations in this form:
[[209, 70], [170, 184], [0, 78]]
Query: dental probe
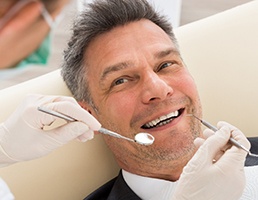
[[232, 140], [140, 138]]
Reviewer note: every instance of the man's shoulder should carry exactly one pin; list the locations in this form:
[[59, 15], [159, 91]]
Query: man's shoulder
[[250, 160], [103, 192], [116, 189]]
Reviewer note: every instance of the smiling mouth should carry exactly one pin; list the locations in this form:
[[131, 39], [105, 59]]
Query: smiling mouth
[[163, 120]]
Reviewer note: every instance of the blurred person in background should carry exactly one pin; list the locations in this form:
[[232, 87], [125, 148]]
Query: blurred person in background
[[25, 30]]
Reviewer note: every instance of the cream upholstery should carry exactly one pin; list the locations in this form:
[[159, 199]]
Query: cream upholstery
[[221, 52]]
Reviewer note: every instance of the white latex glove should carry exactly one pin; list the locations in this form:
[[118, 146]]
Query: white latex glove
[[22, 136], [5, 193], [223, 179]]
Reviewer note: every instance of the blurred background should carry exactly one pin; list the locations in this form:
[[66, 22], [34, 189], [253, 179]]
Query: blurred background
[[33, 34]]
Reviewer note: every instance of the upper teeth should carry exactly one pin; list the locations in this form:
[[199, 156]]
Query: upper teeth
[[162, 118]]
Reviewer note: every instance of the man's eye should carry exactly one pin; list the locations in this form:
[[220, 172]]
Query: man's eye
[[120, 81], [165, 65]]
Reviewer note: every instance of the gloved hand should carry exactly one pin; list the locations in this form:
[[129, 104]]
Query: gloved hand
[[22, 136], [216, 171], [5, 193]]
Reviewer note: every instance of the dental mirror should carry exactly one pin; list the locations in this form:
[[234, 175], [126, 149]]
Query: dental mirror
[[144, 138], [140, 138]]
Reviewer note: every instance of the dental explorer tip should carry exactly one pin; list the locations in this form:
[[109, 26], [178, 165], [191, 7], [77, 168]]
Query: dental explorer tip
[[192, 115]]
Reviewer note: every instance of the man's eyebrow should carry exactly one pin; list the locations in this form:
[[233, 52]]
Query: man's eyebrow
[[126, 64], [114, 68], [163, 53]]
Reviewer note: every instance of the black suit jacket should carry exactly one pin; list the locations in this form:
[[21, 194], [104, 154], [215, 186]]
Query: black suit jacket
[[251, 161], [117, 189]]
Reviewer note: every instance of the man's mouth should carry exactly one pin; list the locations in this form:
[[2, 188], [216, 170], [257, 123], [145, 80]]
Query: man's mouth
[[163, 120]]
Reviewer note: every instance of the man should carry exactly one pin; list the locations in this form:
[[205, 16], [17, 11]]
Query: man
[[123, 65]]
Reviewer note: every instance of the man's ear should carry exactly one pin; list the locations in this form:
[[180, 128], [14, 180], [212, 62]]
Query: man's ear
[[85, 106]]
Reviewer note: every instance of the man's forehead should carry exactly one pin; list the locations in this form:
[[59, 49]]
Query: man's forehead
[[141, 37]]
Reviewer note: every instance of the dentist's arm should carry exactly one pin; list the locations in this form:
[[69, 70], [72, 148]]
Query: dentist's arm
[[22, 136], [216, 171]]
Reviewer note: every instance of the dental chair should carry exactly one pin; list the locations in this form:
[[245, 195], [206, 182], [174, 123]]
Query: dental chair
[[220, 51]]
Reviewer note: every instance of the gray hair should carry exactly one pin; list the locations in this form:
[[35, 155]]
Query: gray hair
[[97, 18]]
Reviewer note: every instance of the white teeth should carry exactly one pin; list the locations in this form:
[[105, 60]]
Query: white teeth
[[173, 114], [162, 118]]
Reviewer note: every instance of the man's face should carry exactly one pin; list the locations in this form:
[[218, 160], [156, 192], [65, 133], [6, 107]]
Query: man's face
[[139, 83]]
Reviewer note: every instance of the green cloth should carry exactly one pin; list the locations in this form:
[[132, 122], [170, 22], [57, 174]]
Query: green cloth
[[39, 57]]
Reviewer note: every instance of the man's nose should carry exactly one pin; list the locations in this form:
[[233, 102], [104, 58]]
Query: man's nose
[[155, 88]]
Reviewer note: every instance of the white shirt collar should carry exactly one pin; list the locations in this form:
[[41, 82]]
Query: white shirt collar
[[158, 189], [149, 188]]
